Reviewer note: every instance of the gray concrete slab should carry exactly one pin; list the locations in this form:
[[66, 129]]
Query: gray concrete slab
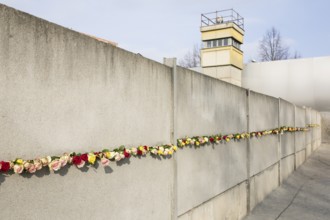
[[304, 195]]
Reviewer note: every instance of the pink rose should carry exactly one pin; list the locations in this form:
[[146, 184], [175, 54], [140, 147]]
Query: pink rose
[[37, 164], [32, 168], [105, 161], [55, 165], [18, 168]]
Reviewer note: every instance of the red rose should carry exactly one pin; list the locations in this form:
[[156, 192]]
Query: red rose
[[224, 137], [145, 147], [84, 157], [139, 152], [211, 140], [5, 166], [127, 155], [76, 160]]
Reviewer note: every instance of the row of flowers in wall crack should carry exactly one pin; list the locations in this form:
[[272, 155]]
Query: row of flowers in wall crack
[[55, 163]]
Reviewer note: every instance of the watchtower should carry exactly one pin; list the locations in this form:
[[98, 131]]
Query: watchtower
[[222, 37]]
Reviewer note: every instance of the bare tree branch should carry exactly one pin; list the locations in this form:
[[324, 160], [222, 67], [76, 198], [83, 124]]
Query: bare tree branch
[[271, 46], [191, 58]]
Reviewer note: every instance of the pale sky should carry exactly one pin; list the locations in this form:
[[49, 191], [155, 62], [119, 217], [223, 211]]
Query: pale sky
[[158, 29]]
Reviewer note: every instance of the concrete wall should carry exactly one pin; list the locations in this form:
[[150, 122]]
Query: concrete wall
[[309, 137], [287, 140], [264, 152], [207, 106], [325, 126], [300, 138], [304, 82], [62, 91]]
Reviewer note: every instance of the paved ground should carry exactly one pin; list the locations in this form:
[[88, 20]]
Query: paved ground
[[304, 195]]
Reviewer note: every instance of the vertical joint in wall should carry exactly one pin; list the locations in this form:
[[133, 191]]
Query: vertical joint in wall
[[279, 150], [294, 139], [248, 195], [171, 62]]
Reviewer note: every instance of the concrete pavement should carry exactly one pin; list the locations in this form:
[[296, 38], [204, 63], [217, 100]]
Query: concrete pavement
[[304, 195]]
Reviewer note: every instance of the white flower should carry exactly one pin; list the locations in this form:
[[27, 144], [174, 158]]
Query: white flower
[[18, 168], [64, 160], [117, 157], [134, 150]]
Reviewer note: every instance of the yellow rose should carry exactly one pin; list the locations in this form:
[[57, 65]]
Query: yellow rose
[[19, 161], [91, 158], [170, 152], [160, 152], [107, 154], [227, 139], [175, 148], [197, 143]]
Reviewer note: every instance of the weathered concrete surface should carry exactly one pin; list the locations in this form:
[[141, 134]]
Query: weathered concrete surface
[[300, 121], [300, 157], [325, 127], [229, 205], [262, 184], [304, 195], [264, 115], [310, 133], [316, 131], [319, 130], [207, 106], [287, 166], [287, 118], [61, 91]]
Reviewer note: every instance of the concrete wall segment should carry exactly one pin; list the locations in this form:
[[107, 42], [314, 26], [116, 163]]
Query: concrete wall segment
[[287, 166], [300, 121], [262, 184], [325, 127], [58, 85], [287, 118], [207, 106], [61, 91], [264, 115], [263, 112]]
